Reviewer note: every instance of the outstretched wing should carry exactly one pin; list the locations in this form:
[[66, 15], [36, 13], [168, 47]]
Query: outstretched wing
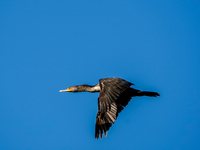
[[114, 96], [111, 88], [105, 120]]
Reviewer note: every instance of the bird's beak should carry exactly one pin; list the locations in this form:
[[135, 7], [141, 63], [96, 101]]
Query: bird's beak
[[66, 90]]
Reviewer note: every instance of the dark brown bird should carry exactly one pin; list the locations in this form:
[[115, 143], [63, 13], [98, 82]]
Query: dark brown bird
[[115, 93]]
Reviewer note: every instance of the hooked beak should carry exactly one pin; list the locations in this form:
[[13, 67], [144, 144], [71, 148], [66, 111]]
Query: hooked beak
[[66, 90]]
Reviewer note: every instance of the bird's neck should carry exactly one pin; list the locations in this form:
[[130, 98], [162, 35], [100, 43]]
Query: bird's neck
[[88, 88]]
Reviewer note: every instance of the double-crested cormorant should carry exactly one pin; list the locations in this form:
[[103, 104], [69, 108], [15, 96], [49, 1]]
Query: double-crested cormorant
[[115, 93]]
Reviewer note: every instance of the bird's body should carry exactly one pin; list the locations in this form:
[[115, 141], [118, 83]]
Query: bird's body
[[115, 93]]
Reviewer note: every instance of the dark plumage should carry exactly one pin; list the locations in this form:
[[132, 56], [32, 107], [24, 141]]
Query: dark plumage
[[115, 93]]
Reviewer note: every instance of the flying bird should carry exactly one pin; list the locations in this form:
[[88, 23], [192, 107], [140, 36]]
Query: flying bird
[[115, 93]]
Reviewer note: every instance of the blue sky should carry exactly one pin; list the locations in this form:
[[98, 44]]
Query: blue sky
[[46, 46]]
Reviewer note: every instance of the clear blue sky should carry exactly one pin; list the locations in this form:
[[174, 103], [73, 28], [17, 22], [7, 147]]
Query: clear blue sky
[[46, 46]]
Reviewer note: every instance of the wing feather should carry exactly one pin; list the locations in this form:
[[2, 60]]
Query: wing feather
[[111, 88], [115, 94], [105, 120]]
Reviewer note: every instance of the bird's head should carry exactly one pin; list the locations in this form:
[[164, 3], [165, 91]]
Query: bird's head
[[70, 89]]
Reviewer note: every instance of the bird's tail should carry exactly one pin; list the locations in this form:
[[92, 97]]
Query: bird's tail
[[134, 92], [147, 93]]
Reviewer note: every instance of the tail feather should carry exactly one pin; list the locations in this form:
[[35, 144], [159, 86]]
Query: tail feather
[[147, 93]]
